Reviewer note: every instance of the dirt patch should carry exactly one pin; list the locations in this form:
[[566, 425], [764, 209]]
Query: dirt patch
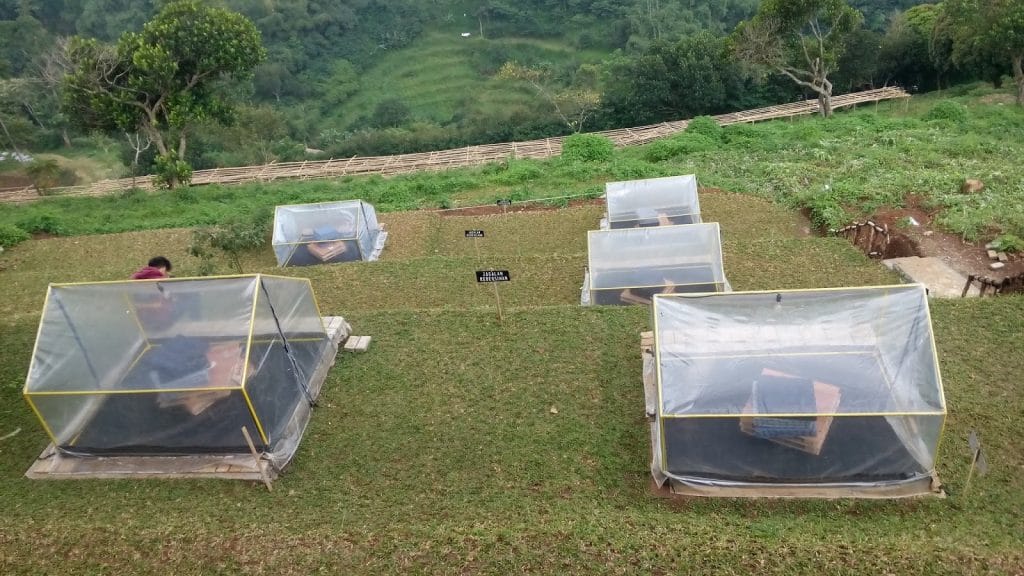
[[925, 240], [14, 179], [522, 206], [997, 99]]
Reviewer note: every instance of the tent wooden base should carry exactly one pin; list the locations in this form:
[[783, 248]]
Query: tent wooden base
[[923, 487], [54, 465]]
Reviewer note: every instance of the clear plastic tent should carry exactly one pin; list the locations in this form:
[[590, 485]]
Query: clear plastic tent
[[177, 366], [836, 388], [328, 232], [652, 202], [629, 266]]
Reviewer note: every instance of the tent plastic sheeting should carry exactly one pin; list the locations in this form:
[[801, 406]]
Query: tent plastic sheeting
[[328, 232], [652, 202], [629, 266], [177, 366], [804, 389]]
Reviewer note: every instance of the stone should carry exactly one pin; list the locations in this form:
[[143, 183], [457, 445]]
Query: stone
[[996, 265], [990, 246], [941, 280], [972, 186], [992, 254], [1002, 257]]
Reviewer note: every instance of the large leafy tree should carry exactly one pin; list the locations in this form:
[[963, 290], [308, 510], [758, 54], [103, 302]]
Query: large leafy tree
[[669, 81], [800, 39], [988, 29], [165, 80]]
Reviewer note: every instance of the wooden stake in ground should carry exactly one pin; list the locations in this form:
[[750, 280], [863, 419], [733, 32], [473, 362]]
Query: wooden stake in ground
[[476, 235], [504, 203], [494, 277], [256, 459], [977, 460]]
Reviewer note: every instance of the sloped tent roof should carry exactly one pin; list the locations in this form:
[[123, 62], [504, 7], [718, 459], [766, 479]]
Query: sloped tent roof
[[350, 224], [686, 257], [177, 366], [633, 203], [856, 365]]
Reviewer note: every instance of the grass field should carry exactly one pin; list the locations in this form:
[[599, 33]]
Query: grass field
[[438, 452]]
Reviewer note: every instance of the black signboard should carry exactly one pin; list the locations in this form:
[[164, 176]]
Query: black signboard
[[493, 276], [474, 233], [504, 202]]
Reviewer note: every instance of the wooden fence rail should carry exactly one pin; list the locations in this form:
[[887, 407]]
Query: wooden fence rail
[[1009, 285], [871, 238], [445, 159]]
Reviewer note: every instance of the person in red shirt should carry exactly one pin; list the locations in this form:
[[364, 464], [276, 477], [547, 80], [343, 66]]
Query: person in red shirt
[[158, 267]]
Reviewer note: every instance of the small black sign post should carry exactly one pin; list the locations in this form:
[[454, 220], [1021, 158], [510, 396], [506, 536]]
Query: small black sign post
[[476, 235], [977, 460], [504, 203], [494, 277]]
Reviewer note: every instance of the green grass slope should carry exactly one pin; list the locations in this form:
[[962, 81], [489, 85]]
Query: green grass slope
[[438, 450], [441, 75]]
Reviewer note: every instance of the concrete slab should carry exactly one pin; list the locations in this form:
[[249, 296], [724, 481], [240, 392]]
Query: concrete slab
[[941, 280]]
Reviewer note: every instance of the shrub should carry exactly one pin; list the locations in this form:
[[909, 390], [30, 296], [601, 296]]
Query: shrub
[[170, 169], [680, 145], [233, 237], [11, 235], [45, 174], [587, 148], [1009, 243], [705, 126], [948, 110], [42, 223]]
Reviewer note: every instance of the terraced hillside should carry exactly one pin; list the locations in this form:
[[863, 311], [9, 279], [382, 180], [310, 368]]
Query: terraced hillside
[[456, 445]]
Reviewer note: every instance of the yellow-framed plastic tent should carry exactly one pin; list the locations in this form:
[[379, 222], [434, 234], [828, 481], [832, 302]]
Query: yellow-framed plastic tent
[[652, 202], [831, 392], [631, 265], [177, 366], [327, 232]]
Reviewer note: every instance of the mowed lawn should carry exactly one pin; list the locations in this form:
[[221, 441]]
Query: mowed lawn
[[458, 445]]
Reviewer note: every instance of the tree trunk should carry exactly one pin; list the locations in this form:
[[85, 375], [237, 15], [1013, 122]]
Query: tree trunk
[[64, 136], [825, 102], [1018, 77]]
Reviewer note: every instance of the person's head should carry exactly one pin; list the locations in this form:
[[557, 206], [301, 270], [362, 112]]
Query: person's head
[[160, 263]]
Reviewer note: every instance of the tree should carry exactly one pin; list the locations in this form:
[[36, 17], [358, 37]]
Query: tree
[[669, 81], [574, 104], [800, 39], [987, 29], [164, 80]]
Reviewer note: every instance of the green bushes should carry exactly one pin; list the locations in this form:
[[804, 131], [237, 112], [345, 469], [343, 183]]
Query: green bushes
[[948, 111], [587, 148], [680, 145], [705, 126], [42, 223], [232, 238], [11, 235]]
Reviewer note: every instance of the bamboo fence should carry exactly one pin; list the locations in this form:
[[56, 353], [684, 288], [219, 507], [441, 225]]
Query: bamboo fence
[[445, 159]]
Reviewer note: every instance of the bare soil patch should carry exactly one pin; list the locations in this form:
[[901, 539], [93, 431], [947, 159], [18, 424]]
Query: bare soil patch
[[519, 206], [926, 240]]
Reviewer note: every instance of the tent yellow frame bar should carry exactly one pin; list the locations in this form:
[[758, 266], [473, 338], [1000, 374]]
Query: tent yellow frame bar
[[804, 415]]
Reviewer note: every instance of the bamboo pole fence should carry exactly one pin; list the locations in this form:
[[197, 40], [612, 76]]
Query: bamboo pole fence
[[444, 159]]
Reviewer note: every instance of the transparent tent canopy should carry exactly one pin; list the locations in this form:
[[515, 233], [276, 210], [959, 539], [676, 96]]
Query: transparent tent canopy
[[176, 366], [630, 265], [328, 232], [838, 387], [653, 202]]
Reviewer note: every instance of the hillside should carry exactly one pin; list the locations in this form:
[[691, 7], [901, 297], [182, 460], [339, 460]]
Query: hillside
[[458, 445]]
